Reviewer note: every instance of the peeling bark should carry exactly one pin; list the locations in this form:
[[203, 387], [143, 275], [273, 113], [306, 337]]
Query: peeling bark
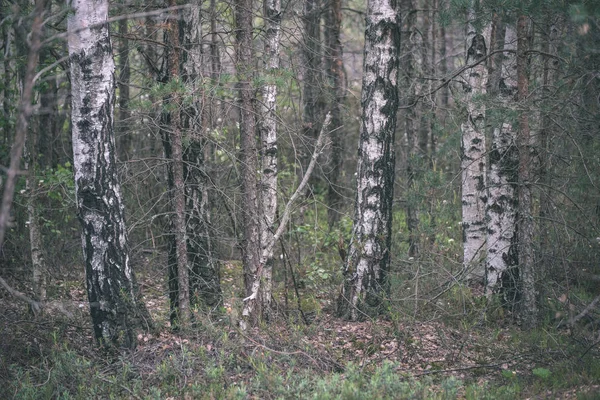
[[501, 207], [473, 163], [115, 304], [367, 266]]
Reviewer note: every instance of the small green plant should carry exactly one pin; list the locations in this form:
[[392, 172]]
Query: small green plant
[[542, 373]]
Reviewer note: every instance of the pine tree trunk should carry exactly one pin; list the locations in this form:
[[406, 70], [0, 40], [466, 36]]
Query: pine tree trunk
[[124, 134], [112, 291], [176, 164], [313, 79], [473, 163], [336, 76], [205, 286], [367, 266], [528, 309], [410, 132], [248, 161]]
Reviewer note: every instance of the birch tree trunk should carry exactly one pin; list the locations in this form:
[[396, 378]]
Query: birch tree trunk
[[473, 161], [367, 264], [268, 134], [112, 292], [502, 203], [528, 309]]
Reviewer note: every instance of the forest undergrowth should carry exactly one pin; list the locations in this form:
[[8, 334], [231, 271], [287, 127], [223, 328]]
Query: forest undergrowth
[[394, 357]]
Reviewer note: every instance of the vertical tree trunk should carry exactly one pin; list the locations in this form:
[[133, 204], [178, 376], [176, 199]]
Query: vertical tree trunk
[[367, 266], [205, 286], [178, 188], [502, 203], [243, 10], [528, 309], [336, 76], [473, 161], [410, 135], [38, 263], [268, 134], [313, 79], [114, 300], [124, 134]]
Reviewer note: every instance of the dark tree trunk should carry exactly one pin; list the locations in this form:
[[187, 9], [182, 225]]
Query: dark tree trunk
[[313, 79], [205, 287], [336, 76], [178, 188], [248, 159], [123, 133], [528, 309]]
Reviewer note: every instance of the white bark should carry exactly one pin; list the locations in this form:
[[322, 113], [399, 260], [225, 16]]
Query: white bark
[[473, 163], [110, 281], [368, 259], [501, 207], [268, 131]]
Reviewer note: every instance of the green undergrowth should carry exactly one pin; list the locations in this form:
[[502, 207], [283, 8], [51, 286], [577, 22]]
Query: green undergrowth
[[67, 375], [215, 364]]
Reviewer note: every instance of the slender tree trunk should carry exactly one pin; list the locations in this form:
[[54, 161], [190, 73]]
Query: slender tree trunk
[[124, 134], [336, 76], [473, 161], [252, 311], [38, 262], [268, 133], [313, 78], [205, 286], [367, 266], [410, 133], [176, 161], [529, 309], [112, 291]]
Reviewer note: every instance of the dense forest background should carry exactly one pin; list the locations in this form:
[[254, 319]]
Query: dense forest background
[[241, 139]]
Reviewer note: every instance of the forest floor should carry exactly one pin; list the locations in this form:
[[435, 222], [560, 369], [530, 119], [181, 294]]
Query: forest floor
[[54, 356]]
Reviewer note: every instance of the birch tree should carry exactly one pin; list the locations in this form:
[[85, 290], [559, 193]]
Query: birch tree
[[501, 206], [268, 134], [112, 292], [473, 163], [367, 264]]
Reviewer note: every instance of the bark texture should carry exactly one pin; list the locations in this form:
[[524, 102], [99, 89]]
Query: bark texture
[[177, 185], [268, 134], [337, 93], [501, 206], [367, 265], [473, 163], [251, 249], [528, 307], [112, 292], [205, 286]]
